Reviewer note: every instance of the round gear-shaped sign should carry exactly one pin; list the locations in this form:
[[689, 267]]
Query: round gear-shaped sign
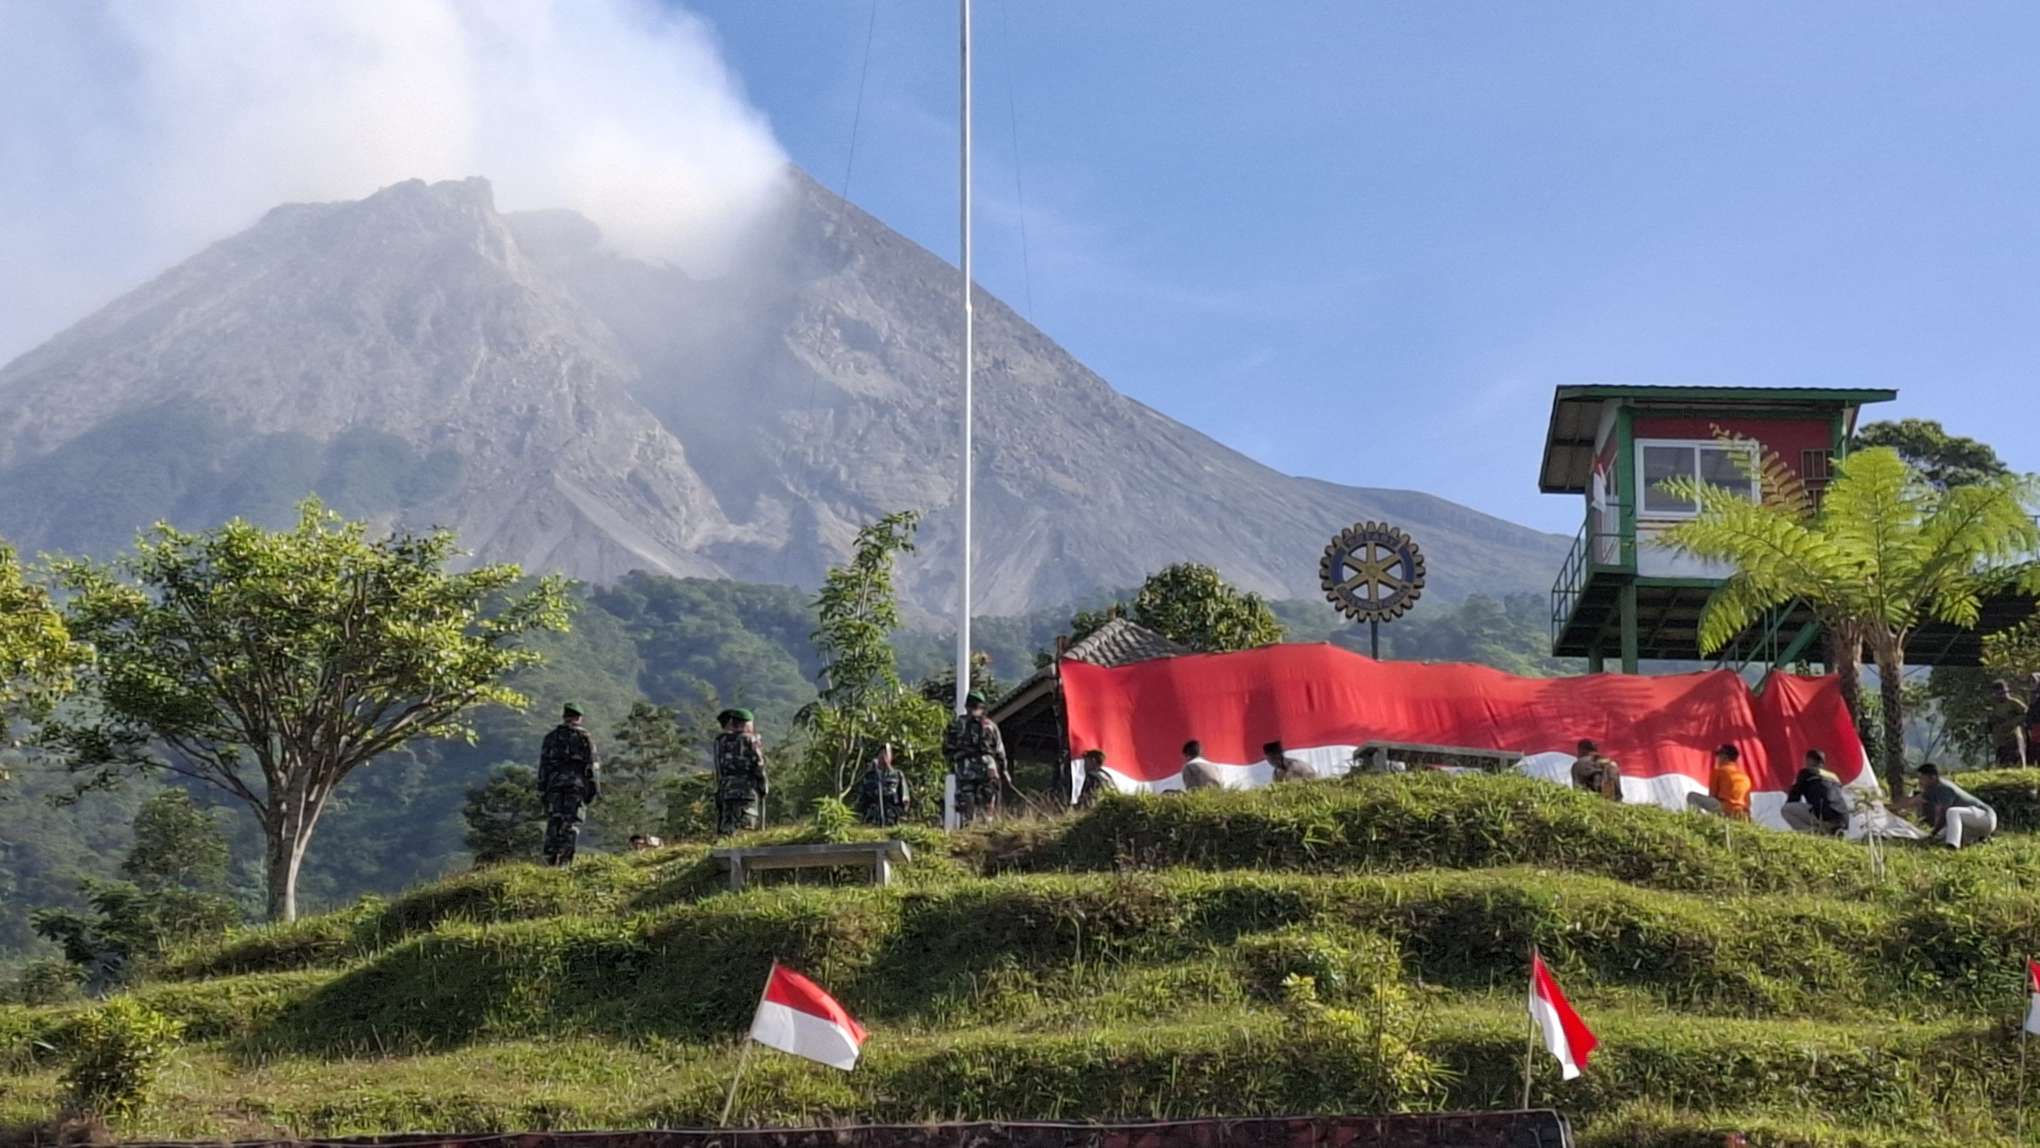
[[1372, 572]]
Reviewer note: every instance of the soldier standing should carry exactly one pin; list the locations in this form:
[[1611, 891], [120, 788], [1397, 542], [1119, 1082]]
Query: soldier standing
[[740, 785], [977, 756], [2008, 725], [568, 779], [882, 792]]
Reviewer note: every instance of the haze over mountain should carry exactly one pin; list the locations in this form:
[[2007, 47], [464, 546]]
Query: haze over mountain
[[419, 357]]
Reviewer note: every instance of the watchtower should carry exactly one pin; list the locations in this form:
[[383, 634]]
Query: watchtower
[[1621, 593]]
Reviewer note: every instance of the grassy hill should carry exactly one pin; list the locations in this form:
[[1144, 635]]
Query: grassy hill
[[1143, 960]]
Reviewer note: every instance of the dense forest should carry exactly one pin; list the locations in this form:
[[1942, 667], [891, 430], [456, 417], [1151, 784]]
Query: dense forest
[[695, 645]]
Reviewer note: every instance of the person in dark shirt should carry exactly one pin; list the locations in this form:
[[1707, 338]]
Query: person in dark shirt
[[1816, 803], [1096, 784]]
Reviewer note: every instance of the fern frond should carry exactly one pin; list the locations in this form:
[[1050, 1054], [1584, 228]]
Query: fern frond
[[1779, 485]]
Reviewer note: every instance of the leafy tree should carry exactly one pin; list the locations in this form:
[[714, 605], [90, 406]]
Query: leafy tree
[[1961, 696], [505, 818], [650, 745], [940, 687], [175, 889], [1943, 459], [690, 807], [856, 614], [1883, 553], [1191, 605], [38, 660], [273, 664], [177, 845]]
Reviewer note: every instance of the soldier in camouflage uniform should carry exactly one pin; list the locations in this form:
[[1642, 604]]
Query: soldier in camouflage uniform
[[977, 756], [882, 791], [740, 785], [568, 780]]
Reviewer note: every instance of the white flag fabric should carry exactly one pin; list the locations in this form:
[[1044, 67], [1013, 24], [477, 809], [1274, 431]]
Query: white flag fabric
[[1565, 1034], [796, 1016], [2033, 988]]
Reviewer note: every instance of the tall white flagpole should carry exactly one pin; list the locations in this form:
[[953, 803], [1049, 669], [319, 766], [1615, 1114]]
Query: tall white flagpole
[[963, 620]]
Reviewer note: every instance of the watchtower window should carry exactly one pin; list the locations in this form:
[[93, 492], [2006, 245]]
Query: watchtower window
[[1730, 466]]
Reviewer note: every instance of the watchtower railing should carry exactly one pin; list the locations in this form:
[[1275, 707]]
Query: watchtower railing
[[1594, 551]]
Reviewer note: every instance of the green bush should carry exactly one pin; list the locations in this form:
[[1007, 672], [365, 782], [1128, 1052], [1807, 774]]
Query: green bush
[[113, 1055], [1423, 821], [833, 821], [45, 982]]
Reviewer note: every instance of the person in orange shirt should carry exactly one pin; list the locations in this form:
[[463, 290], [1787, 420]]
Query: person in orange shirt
[[1728, 791]]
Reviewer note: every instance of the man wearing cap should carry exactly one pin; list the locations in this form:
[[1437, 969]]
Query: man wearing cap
[[740, 785], [1952, 812], [568, 780], [977, 755]]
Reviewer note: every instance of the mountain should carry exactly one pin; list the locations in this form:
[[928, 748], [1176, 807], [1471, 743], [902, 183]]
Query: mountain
[[420, 357]]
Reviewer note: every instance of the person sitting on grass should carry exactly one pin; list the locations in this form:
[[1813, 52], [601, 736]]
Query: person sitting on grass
[[1816, 803], [1286, 768], [1728, 791], [1952, 812], [1197, 772], [1096, 784], [1596, 772]]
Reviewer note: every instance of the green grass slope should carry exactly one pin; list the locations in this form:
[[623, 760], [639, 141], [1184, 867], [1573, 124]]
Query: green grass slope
[[1142, 961]]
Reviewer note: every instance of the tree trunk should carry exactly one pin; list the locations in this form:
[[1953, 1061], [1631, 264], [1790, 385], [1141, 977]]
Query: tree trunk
[[1890, 687], [287, 826], [1845, 659], [284, 853]]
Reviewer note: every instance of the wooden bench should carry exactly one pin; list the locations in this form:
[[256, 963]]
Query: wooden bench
[[1418, 756], [878, 856]]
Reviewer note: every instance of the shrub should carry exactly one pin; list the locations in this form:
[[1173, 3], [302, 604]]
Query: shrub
[[113, 1056], [46, 982], [833, 821]]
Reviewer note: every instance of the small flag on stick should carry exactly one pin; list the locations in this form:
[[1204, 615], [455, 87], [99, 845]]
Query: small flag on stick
[[1565, 1034], [796, 1016]]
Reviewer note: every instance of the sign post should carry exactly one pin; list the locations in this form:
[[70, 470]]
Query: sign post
[[1372, 573]]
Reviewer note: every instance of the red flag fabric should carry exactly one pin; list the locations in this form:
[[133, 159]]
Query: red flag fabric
[[1565, 1034], [1322, 702], [796, 1016]]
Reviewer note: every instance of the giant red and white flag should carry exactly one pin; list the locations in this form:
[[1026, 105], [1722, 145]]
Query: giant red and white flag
[[2033, 988], [1323, 702], [796, 1016], [1565, 1034]]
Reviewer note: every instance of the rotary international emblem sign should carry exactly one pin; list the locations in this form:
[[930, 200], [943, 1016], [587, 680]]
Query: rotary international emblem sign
[[1372, 572]]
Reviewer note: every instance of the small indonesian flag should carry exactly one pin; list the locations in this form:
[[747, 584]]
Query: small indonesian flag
[[796, 1016], [2033, 987], [1565, 1034]]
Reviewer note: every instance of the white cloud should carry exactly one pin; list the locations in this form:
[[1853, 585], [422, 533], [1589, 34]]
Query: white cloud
[[135, 131]]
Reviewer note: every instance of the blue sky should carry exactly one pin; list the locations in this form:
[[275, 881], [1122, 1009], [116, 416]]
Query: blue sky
[[1364, 241]]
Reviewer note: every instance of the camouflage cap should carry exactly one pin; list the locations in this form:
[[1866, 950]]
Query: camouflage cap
[[571, 710], [973, 698]]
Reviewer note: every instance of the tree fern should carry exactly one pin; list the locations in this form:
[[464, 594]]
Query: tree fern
[[1882, 553]]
